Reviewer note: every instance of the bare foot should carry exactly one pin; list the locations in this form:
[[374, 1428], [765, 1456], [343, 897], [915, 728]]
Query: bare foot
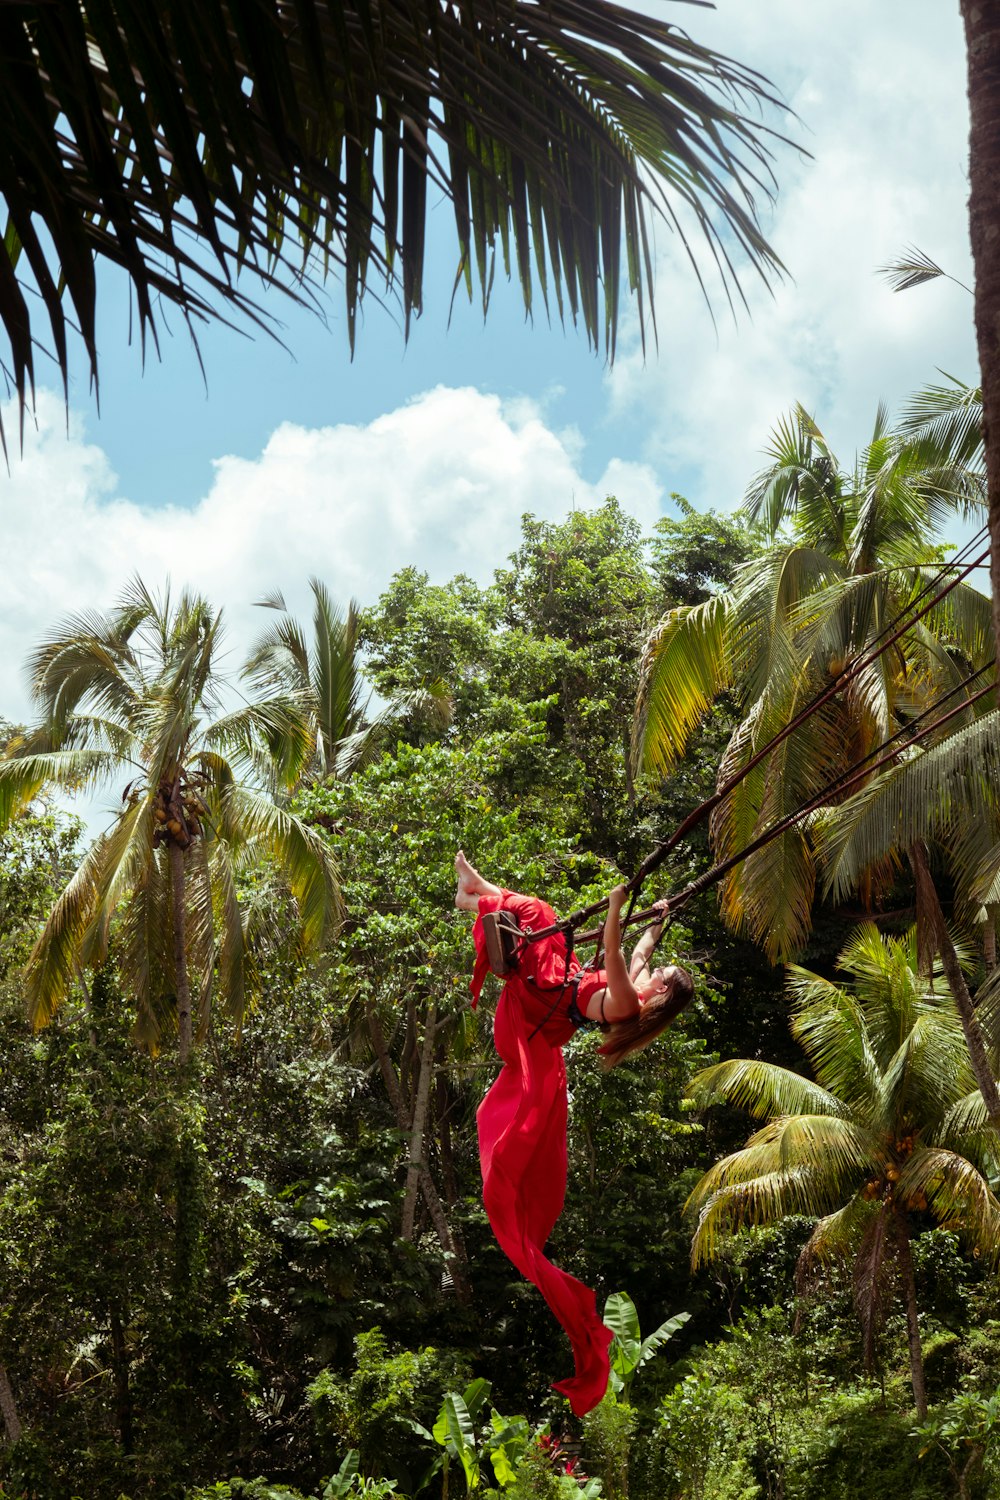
[[469, 879], [471, 885]]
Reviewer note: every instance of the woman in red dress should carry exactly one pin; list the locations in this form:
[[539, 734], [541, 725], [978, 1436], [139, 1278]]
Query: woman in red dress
[[522, 1120]]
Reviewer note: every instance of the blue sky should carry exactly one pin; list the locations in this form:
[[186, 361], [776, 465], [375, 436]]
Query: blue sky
[[302, 462]]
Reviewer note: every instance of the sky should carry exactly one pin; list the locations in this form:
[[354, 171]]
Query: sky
[[291, 461]]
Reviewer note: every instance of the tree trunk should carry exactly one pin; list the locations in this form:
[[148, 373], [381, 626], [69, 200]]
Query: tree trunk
[[990, 942], [442, 1102], [11, 1420], [912, 1324], [982, 43], [181, 982], [451, 1242], [629, 774], [389, 1078], [123, 1396], [929, 905], [421, 1108]]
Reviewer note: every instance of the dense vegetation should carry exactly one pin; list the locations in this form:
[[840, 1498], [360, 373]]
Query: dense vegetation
[[262, 1270]]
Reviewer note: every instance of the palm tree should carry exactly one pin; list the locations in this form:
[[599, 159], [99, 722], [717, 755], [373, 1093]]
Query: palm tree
[[135, 694], [861, 546], [892, 1128], [323, 679], [982, 38], [189, 144], [941, 794]]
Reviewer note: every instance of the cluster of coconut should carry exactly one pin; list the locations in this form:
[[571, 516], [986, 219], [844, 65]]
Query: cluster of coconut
[[179, 812]]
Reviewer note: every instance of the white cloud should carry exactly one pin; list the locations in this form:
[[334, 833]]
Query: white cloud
[[440, 483], [880, 92]]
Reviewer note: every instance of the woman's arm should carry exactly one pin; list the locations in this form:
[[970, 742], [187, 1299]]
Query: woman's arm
[[621, 999], [638, 968]]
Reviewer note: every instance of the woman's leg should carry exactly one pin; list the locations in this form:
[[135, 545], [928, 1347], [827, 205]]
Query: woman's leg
[[471, 885]]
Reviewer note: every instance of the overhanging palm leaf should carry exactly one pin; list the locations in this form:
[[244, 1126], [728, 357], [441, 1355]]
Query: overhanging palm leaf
[[685, 668], [192, 143]]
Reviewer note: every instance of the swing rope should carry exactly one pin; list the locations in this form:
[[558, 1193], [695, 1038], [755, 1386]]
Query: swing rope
[[843, 782]]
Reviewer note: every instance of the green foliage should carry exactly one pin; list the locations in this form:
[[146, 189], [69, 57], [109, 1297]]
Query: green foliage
[[221, 1280], [784, 633], [130, 698], [699, 553], [244, 1489], [967, 1432], [38, 853], [373, 1410], [885, 1132], [607, 1434], [630, 1351]]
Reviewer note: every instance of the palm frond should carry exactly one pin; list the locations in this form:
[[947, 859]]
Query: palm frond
[[834, 1238], [53, 966], [22, 778], [915, 799], [947, 422], [928, 1071], [957, 1194], [232, 947], [685, 666], [303, 857], [967, 1130], [145, 954], [761, 1196], [802, 474], [192, 144], [762, 1088], [911, 269], [768, 598], [831, 1027], [127, 851]]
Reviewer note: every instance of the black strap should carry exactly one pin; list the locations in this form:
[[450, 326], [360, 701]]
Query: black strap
[[568, 979]]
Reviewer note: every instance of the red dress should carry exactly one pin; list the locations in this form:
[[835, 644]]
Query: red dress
[[522, 1133]]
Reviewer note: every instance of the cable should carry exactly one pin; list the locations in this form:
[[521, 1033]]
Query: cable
[[867, 657], [842, 784]]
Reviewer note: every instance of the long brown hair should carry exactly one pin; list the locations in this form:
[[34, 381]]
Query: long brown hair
[[626, 1037]]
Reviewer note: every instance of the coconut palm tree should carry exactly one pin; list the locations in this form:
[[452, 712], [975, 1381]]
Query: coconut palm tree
[[322, 677], [133, 696], [890, 1129], [192, 143], [982, 39], [939, 801], [861, 546]]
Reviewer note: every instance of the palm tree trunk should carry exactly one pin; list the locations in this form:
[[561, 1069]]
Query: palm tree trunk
[[982, 43], [421, 1108], [181, 982], [929, 904], [11, 1420], [912, 1323], [990, 943]]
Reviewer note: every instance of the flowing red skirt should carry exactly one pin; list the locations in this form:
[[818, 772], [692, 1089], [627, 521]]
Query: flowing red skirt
[[522, 1143]]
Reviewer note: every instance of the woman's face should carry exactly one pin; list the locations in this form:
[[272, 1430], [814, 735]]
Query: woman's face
[[657, 984]]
